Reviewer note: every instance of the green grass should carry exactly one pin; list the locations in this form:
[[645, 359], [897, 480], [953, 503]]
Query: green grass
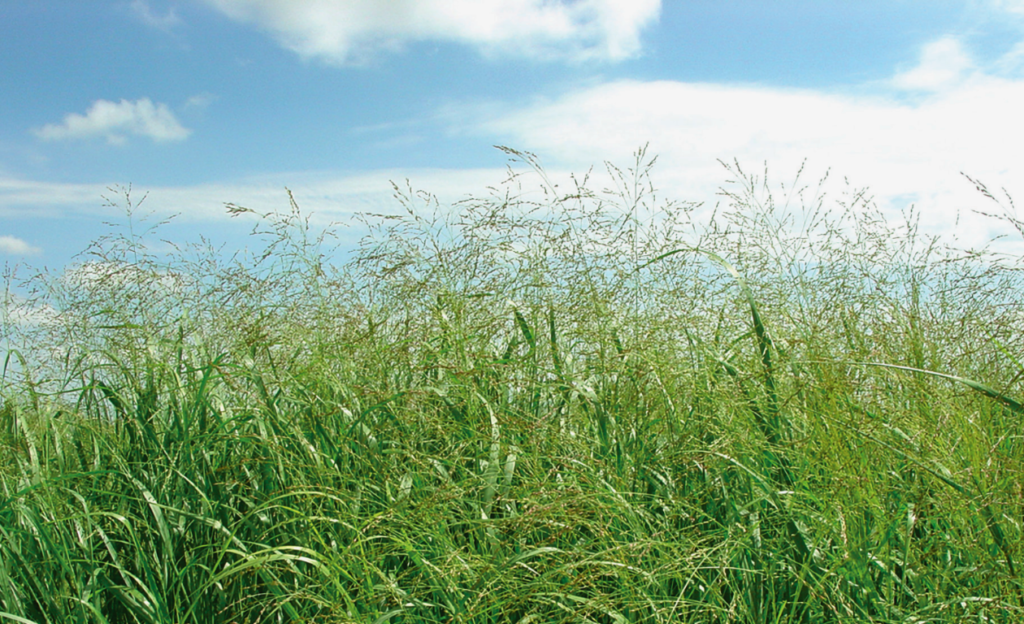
[[538, 405]]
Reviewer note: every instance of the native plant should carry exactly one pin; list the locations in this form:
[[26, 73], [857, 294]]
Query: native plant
[[547, 403]]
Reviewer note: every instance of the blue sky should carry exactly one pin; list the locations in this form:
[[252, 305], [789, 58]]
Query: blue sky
[[201, 102]]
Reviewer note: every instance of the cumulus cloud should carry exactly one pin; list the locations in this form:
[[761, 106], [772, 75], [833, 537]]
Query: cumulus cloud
[[115, 121], [20, 312], [351, 31], [905, 152], [942, 64], [12, 246]]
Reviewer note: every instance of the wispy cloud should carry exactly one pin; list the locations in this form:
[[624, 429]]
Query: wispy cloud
[[12, 246], [116, 121], [355, 30], [145, 13], [201, 101], [331, 196], [1011, 6]]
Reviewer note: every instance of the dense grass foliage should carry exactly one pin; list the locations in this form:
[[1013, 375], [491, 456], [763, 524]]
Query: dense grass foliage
[[541, 405]]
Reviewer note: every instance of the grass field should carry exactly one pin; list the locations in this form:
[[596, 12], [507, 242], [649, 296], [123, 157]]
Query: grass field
[[540, 405]]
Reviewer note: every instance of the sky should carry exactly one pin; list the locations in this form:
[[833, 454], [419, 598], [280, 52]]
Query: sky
[[200, 103]]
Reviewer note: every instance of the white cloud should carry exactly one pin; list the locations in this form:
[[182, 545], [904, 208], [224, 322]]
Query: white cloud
[[1010, 6], [116, 120], [350, 31], [943, 63], [201, 101], [12, 246], [19, 312], [108, 274], [904, 152], [28, 198], [150, 17]]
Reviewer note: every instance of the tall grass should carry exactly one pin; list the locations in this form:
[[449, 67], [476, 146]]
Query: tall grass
[[539, 405]]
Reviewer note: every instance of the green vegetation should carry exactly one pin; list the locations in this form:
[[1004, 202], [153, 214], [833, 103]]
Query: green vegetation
[[542, 405]]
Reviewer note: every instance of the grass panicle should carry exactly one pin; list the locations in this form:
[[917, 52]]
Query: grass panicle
[[547, 403]]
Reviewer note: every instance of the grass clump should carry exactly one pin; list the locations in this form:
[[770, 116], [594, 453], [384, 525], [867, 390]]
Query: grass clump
[[581, 407]]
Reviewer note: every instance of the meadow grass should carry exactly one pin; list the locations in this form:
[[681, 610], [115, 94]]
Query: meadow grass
[[537, 405]]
